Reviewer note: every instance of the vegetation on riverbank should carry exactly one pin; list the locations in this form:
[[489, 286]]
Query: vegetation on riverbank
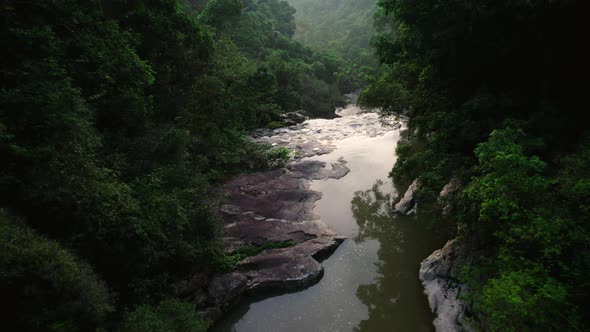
[[117, 117], [230, 260], [494, 97]]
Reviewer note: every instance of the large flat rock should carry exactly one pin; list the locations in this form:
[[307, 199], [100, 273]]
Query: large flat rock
[[279, 272], [318, 170], [271, 207], [275, 194]]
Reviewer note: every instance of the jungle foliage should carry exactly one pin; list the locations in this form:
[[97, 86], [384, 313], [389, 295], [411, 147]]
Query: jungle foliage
[[117, 117], [342, 29], [495, 98]]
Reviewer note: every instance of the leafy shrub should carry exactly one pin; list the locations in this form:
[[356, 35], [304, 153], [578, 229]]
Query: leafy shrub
[[44, 286], [170, 315], [228, 262]]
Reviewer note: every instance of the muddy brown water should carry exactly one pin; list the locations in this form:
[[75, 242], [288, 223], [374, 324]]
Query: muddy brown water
[[371, 281]]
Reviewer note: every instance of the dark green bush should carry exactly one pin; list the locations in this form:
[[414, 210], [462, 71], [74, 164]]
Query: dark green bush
[[169, 315], [45, 286]]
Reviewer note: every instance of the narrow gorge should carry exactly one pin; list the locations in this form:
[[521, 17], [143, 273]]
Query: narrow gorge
[[352, 261]]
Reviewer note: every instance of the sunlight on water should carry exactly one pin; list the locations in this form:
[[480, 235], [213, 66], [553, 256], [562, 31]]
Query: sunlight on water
[[371, 281]]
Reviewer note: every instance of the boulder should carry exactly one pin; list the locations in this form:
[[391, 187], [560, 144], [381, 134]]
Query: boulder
[[188, 288], [224, 290], [297, 117], [288, 122], [277, 206], [407, 203], [439, 275], [280, 271], [451, 187]]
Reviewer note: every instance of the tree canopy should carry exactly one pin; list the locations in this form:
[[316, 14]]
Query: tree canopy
[[495, 100], [117, 117]]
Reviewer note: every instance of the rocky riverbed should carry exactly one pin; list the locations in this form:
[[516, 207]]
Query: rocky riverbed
[[277, 212], [277, 207]]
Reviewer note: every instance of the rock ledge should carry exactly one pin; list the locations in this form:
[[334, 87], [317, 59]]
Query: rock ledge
[[274, 206], [439, 275]]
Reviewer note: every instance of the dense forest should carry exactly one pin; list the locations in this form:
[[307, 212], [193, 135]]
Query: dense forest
[[343, 28], [117, 118], [494, 92]]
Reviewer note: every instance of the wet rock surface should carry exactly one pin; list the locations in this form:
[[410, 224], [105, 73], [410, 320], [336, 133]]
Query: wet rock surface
[[318, 170], [407, 204], [439, 274], [276, 194], [277, 207], [270, 207]]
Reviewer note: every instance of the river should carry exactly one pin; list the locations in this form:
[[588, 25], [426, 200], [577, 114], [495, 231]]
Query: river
[[371, 281]]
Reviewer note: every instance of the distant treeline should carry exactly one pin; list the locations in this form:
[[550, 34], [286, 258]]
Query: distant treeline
[[343, 28]]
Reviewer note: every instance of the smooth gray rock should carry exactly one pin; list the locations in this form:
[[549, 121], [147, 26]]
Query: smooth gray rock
[[281, 271], [451, 187], [309, 169], [317, 170], [407, 203], [274, 194], [277, 206], [439, 274]]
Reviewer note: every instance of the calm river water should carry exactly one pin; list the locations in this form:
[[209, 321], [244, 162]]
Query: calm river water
[[371, 281]]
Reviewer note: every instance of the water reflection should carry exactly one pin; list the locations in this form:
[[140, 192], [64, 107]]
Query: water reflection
[[394, 299], [371, 281]]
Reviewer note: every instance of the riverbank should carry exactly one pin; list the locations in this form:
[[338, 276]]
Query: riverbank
[[381, 251], [334, 191], [440, 273]]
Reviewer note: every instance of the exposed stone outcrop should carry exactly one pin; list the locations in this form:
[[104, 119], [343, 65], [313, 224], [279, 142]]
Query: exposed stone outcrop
[[296, 117], [213, 294], [227, 288], [316, 170], [275, 194], [407, 205], [275, 206], [439, 274], [281, 271], [450, 188]]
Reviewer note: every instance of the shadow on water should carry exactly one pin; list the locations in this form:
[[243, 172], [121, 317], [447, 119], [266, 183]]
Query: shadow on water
[[393, 298], [371, 281], [381, 290]]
